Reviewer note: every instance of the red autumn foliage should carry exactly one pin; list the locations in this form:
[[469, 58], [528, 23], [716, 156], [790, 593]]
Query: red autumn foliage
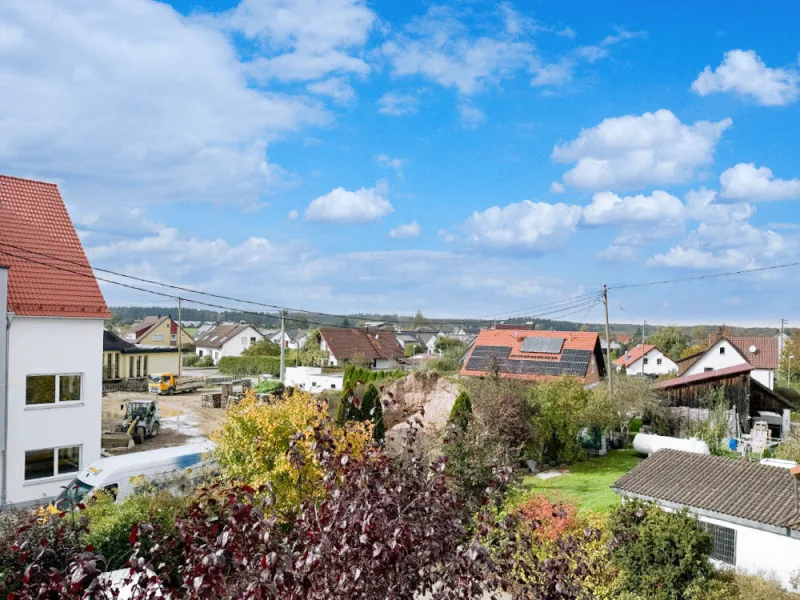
[[551, 519]]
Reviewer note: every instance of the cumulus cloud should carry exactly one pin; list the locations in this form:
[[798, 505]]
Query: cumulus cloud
[[536, 226], [132, 101], [337, 88], [744, 73], [343, 206], [659, 207], [747, 182], [293, 214], [636, 151], [694, 258], [408, 230], [557, 188], [307, 39], [397, 104]]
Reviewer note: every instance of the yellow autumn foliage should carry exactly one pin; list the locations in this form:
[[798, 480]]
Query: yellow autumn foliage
[[254, 441]]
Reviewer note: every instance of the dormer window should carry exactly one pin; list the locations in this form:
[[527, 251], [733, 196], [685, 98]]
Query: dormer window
[[722, 349]]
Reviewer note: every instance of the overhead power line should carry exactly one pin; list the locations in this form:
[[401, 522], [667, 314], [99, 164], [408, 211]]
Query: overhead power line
[[698, 277], [80, 265]]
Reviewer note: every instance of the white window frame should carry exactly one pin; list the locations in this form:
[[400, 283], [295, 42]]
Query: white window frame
[[173, 337], [158, 337], [58, 402], [244, 341], [56, 475]]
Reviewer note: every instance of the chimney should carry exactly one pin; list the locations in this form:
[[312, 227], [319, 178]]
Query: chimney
[[626, 355], [795, 471]]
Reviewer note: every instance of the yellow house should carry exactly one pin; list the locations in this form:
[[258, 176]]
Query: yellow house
[[156, 331], [123, 360]]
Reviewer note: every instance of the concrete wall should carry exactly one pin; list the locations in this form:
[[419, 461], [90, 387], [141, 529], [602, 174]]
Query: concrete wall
[[311, 379], [46, 345]]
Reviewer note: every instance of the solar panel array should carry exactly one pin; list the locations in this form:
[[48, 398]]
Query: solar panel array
[[573, 362], [544, 345]]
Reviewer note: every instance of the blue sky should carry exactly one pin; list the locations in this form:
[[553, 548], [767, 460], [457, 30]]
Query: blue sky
[[463, 158]]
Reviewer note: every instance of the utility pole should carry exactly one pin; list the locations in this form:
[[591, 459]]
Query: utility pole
[[644, 325], [283, 345], [180, 339], [780, 340], [608, 343]]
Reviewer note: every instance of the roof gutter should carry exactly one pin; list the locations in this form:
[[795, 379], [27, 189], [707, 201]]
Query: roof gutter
[[701, 512]]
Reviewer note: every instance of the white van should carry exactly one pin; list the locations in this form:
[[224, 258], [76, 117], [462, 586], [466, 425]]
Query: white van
[[117, 475]]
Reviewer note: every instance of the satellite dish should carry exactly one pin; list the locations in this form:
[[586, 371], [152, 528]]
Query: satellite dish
[[753, 349]]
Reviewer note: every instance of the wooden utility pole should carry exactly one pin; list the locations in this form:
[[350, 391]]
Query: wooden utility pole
[[283, 345], [608, 343], [644, 326], [180, 339]]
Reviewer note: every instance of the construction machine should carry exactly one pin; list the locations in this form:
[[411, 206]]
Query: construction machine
[[142, 420]]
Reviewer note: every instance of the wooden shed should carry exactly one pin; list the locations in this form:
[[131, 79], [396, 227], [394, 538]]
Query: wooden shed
[[744, 393]]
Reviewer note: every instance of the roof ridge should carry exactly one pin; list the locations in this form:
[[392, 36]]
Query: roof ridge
[[25, 179]]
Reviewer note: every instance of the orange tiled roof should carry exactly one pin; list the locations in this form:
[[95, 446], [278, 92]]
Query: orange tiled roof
[[573, 359], [632, 355], [35, 220]]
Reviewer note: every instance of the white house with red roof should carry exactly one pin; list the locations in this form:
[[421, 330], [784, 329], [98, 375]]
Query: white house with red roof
[[647, 360], [762, 352], [53, 405]]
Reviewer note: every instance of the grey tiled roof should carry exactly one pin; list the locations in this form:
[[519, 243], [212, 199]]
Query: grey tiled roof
[[738, 488]]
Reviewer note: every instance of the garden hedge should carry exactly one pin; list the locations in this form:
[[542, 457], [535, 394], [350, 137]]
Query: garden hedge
[[239, 366]]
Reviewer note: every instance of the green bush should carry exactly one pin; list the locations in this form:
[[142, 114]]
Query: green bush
[[190, 360], [461, 412], [662, 555], [263, 348], [110, 523], [269, 386], [560, 408], [241, 366]]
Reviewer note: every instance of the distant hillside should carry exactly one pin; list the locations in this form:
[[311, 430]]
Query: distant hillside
[[129, 314]]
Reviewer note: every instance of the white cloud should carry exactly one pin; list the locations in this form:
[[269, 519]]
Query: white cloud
[[744, 73], [441, 48], [307, 38], [336, 88], [343, 206], [601, 50], [557, 188], [553, 74], [694, 258], [408, 230], [746, 182], [529, 225], [392, 163], [608, 208], [635, 151], [471, 117], [293, 214], [396, 104], [132, 101]]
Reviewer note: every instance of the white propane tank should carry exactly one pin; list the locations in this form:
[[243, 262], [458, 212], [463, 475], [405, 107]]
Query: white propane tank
[[647, 443]]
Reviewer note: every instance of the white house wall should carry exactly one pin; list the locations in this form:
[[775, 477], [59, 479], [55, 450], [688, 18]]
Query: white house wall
[[652, 367], [764, 377], [162, 362], [712, 359], [45, 345], [3, 342], [311, 379]]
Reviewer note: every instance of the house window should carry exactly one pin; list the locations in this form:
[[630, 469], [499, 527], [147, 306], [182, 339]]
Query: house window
[[145, 366], [52, 389], [116, 365], [707, 369], [244, 341], [724, 542], [109, 369], [645, 360], [52, 462], [199, 353], [722, 349], [173, 337], [130, 367], [333, 386], [658, 361], [158, 337], [138, 366], [252, 340]]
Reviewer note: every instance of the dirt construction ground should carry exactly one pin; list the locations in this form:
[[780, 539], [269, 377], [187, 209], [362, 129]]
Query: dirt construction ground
[[183, 420]]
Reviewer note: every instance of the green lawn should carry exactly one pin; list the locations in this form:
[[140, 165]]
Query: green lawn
[[588, 482]]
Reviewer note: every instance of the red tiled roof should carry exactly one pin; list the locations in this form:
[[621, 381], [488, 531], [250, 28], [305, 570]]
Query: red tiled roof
[[35, 220], [632, 355], [706, 376], [766, 355], [372, 344], [547, 365], [624, 338]]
